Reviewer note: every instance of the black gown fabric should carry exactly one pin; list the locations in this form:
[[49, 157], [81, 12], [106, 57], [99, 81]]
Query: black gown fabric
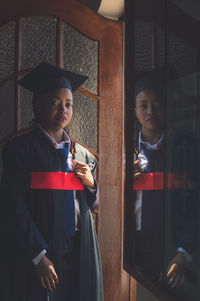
[[33, 220], [149, 238], [152, 240]]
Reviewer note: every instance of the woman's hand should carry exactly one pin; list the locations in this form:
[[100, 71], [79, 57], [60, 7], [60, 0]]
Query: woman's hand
[[176, 275], [47, 274], [83, 172], [176, 270], [137, 170]]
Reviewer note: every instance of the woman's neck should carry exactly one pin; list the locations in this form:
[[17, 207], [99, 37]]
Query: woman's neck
[[56, 134], [151, 136]]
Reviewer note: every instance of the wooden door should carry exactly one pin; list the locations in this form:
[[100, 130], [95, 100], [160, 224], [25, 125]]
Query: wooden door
[[68, 34]]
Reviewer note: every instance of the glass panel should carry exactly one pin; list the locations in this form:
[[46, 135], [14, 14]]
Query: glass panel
[[182, 213], [7, 99], [1, 162], [80, 55], [162, 212], [160, 46], [38, 41], [180, 52], [7, 50], [83, 126], [144, 209], [143, 37], [26, 111]]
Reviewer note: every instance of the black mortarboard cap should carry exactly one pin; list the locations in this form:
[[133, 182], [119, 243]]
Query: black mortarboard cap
[[46, 78], [155, 79]]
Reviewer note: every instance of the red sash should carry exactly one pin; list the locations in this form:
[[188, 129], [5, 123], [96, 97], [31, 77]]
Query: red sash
[[155, 181], [55, 180]]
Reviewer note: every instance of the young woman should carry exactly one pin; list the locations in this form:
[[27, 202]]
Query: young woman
[[149, 160], [48, 194]]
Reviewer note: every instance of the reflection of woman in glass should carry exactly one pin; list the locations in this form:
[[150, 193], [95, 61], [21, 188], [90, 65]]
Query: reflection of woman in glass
[[149, 158]]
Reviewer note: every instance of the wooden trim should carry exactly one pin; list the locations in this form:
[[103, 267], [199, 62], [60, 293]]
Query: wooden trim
[[110, 160], [71, 11], [88, 93], [133, 289]]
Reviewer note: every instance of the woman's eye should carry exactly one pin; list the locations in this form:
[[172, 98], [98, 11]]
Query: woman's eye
[[55, 102], [68, 105], [144, 106]]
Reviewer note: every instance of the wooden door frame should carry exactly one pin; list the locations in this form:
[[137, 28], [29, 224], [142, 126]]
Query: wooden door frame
[[110, 125]]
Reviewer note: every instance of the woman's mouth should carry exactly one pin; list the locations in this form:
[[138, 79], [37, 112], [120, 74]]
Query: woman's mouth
[[151, 119], [62, 118]]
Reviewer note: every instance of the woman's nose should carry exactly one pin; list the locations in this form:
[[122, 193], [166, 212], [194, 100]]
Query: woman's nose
[[62, 107], [149, 109]]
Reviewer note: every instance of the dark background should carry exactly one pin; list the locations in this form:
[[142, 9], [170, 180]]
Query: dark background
[[93, 4]]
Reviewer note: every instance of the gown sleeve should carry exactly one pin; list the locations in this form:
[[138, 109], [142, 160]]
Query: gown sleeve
[[15, 186], [92, 196]]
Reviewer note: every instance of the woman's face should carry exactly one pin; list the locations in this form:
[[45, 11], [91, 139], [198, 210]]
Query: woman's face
[[149, 110], [54, 110]]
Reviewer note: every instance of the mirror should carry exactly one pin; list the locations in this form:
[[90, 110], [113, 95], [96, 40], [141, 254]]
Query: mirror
[[161, 238]]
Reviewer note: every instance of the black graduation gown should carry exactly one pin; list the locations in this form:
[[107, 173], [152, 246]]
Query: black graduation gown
[[33, 220], [149, 238]]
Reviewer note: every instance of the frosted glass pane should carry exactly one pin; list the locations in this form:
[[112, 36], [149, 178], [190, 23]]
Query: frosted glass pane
[[7, 50], [26, 112], [83, 126], [38, 41], [80, 55], [7, 102]]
